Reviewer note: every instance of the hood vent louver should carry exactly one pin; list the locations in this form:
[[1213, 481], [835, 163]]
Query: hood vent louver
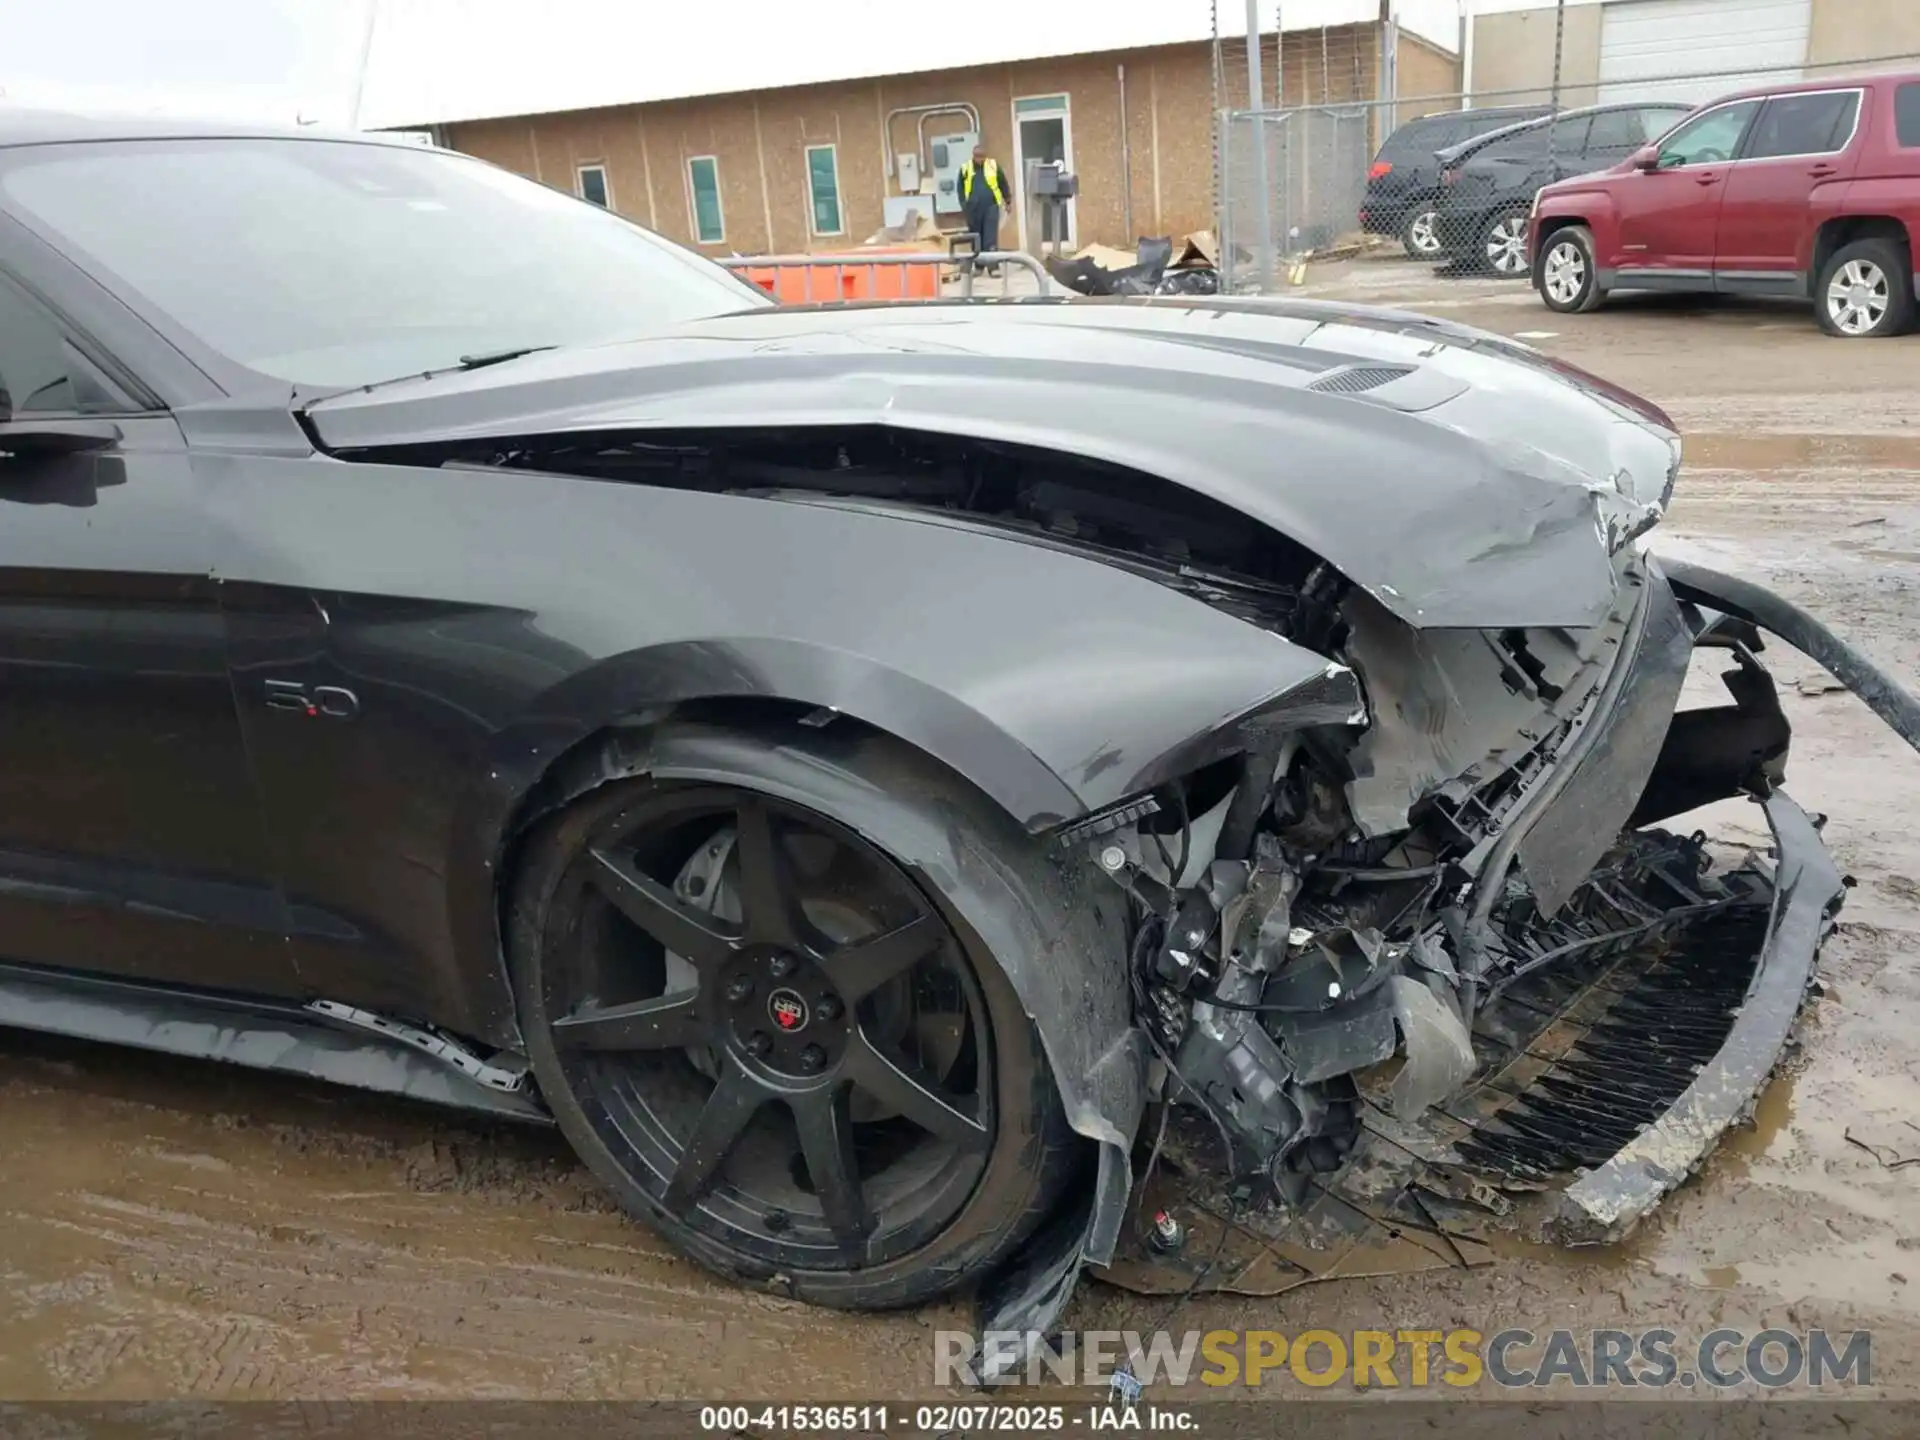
[[1352, 379]]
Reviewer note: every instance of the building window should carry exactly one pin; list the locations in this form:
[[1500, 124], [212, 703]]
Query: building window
[[823, 189], [592, 186], [703, 185]]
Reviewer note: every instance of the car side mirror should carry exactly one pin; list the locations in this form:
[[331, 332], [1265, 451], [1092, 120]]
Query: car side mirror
[[1647, 157], [34, 437]]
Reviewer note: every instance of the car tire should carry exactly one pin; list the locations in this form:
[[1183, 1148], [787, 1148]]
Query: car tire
[[1567, 278], [1418, 235], [1502, 247], [1865, 291], [635, 1115]]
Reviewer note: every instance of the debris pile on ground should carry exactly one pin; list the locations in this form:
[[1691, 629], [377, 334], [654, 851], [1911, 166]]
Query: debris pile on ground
[[916, 232], [1156, 267]]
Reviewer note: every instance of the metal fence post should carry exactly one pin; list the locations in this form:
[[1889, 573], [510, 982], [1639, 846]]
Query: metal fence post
[[1224, 238], [1263, 256], [1559, 41]]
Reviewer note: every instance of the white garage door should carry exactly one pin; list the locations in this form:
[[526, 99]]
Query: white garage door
[[1644, 44]]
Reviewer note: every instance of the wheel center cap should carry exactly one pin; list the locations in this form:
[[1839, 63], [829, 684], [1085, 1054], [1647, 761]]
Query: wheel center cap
[[788, 1011]]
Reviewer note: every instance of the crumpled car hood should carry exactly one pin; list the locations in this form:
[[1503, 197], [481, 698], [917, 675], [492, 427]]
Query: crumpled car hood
[[1461, 478]]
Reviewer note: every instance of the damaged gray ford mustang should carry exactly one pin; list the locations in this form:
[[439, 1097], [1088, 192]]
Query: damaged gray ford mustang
[[881, 779]]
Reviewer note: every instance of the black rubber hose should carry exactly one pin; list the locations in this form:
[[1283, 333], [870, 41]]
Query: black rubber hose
[[1744, 600], [1243, 814]]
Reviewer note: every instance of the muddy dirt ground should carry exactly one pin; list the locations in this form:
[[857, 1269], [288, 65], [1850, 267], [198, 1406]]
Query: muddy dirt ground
[[175, 1229]]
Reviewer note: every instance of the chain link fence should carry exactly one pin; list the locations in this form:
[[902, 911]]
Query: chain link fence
[[1333, 169]]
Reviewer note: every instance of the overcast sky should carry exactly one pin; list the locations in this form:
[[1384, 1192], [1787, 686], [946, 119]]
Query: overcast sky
[[268, 59], [433, 60]]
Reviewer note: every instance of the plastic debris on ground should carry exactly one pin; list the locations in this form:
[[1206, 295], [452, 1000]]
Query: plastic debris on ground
[[1156, 267]]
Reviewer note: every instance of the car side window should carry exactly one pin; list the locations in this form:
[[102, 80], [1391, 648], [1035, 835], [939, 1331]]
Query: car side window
[[1661, 119], [1482, 124], [1570, 135], [1618, 130], [40, 373], [1416, 138], [1803, 125], [1710, 139], [1906, 115]]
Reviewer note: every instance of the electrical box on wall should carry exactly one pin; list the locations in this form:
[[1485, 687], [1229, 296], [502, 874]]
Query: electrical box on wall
[[951, 154], [907, 164]]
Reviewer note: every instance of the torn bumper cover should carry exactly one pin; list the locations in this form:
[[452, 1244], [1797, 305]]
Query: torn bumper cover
[[1609, 1200], [1636, 990], [1605, 1203]]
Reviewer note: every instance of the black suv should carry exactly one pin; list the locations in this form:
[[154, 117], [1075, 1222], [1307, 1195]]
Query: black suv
[[1403, 184], [1487, 184]]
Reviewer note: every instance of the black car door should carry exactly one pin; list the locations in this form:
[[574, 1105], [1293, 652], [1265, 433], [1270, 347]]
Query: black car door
[[131, 839]]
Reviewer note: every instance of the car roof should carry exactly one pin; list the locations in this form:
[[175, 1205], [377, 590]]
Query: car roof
[[22, 126], [1516, 110], [1481, 112], [1577, 111], [1828, 82], [1490, 137]]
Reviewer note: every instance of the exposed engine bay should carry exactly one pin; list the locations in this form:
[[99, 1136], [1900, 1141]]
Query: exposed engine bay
[[1366, 897]]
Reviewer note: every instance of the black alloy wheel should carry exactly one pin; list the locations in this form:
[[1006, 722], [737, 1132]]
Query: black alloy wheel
[[773, 1043]]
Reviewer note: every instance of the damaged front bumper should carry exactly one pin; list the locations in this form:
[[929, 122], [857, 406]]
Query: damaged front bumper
[[1605, 1073]]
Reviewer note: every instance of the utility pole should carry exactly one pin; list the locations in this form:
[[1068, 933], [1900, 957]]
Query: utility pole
[[1263, 214]]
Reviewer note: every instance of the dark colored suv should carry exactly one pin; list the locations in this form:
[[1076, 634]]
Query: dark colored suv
[[1403, 184], [1487, 185]]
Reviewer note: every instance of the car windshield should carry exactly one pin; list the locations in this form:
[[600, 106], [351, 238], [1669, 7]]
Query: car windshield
[[333, 263]]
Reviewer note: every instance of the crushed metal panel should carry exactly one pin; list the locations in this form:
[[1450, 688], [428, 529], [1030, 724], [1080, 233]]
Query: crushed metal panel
[[1608, 779], [1438, 510], [1456, 708], [1439, 1050]]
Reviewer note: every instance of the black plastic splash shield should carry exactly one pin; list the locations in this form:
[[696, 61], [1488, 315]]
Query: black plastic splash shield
[[1608, 1201]]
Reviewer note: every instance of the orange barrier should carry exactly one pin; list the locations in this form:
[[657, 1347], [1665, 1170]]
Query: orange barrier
[[831, 277]]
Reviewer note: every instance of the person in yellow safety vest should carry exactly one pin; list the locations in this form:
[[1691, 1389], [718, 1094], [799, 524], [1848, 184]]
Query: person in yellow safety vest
[[983, 196]]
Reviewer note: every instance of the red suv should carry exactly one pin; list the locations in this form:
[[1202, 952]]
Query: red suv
[[1810, 191]]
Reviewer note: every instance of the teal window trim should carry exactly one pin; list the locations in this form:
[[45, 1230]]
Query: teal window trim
[[824, 213], [582, 188], [704, 209]]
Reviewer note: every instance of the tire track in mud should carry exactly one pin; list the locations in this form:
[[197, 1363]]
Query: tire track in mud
[[348, 1247]]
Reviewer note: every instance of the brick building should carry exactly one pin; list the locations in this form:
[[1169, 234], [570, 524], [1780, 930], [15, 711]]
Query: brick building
[[812, 166]]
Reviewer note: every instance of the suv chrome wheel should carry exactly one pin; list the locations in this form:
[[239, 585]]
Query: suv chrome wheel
[[1563, 272], [1858, 296]]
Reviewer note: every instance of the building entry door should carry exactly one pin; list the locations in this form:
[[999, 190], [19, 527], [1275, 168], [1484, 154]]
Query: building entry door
[[1042, 131]]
